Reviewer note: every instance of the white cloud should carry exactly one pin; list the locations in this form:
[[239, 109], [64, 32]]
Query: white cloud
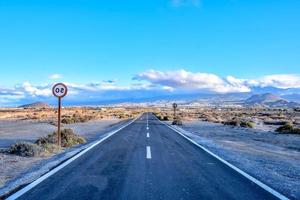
[[282, 81], [55, 76], [182, 79], [36, 91], [149, 83]]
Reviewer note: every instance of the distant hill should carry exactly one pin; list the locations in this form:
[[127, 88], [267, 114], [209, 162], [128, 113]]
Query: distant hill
[[36, 105], [292, 97], [270, 100], [263, 98]]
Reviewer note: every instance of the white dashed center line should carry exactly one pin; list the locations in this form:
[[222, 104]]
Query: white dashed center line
[[148, 135], [148, 156]]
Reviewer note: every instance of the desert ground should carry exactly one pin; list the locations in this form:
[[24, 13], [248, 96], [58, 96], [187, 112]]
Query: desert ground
[[260, 118], [246, 137]]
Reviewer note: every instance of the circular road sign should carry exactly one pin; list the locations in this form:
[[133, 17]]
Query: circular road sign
[[174, 105], [60, 90]]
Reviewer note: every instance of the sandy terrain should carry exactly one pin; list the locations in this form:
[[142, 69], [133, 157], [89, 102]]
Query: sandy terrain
[[272, 158], [90, 130], [50, 114], [12, 166], [262, 118], [12, 131]]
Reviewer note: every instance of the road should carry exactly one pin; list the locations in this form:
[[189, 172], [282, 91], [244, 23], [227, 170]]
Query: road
[[140, 163]]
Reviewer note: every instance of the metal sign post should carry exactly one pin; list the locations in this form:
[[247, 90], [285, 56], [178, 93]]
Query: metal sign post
[[174, 107], [59, 90]]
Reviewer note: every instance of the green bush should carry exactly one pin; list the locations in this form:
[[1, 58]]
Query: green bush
[[26, 149]]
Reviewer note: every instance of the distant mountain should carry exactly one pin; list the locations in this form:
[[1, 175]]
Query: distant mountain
[[260, 96], [292, 97], [36, 105], [263, 98], [270, 100], [283, 104], [273, 90]]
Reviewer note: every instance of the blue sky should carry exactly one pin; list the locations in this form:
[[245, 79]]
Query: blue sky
[[95, 41]]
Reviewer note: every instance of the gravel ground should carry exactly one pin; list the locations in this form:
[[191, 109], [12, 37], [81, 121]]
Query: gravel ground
[[272, 158], [11, 131], [90, 130], [10, 166]]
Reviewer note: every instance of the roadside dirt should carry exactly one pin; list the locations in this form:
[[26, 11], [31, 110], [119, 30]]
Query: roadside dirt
[[272, 158]]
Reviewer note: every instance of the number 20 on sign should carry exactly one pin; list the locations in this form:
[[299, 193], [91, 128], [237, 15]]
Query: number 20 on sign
[[59, 90]]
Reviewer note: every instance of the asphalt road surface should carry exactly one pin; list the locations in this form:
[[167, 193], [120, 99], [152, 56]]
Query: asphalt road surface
[[140, 163]]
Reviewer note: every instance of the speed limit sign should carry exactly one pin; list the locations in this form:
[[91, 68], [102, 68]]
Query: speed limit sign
[[59, 90], [174, 105]]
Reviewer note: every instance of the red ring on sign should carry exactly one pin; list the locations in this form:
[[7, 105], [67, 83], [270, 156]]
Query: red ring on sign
[[63, 85]]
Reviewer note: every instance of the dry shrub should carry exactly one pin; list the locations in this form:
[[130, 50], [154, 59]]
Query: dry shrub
[[177, 121], [166, 118], [288, 129], [247, 124], [232, 123], [296, 131], [68, 139], [159, 116], [76, 119], [274, 122], [26, 149], [46, 144]]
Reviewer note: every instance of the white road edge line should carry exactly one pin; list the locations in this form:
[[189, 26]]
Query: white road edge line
[[249, 177], [148, 156], [148, 135], [56, 169]]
